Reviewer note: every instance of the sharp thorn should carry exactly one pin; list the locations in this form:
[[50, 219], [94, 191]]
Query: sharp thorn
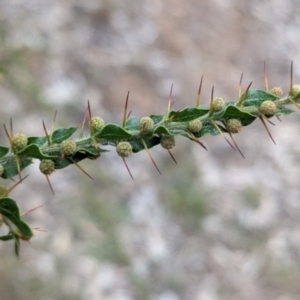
[[149, 154], [50, 185], [125, 163], [211, 108], [266, 127], [266, 77], [291, 76], [172, 157], [125, 111], [197, 141], [46, 133], [31, 210], [235, 144], [82, 170], [199, 92], [11, 127], [240, 85], [222, 134], [53, 122], [17, 183]]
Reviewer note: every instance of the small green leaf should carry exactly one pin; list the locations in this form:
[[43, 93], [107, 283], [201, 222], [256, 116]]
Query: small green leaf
[[133, 123], [156, 118], [10, 167], [256, 97], [281, 110], [3, 151], [209, 128], [162, 130], [187, 114], [6, 237], [38, 140], [34, 151], [92, 150], [113, 132], [62, 134], [66, 161], [11, 216], [233, 112], [137, 145]]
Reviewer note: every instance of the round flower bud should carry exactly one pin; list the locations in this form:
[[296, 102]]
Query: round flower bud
[[218, 104], [3, 191], [277, 91], [1, 170], [195, 125], [96, 124], [124, 149], [19, 141], [234, 125], [146, 124], [47, 166], [167, 141], [295, 90], [68, 147], [268, 108]]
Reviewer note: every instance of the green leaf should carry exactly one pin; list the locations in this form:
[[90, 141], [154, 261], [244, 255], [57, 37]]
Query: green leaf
[[10, 167], [162, 130], [209, 128], [34, 151], [133, 123], [281, 110], [6, 237], [92, 150], [11, 216], [137, 145], [256, 97], [187, 114], [113, 132], [62, 134], [3, 151], [233, 112], [38, 140], [66, 161], [157, 118]]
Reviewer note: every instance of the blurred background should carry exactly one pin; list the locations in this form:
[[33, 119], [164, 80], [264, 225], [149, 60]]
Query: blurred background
[[215, 226]]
